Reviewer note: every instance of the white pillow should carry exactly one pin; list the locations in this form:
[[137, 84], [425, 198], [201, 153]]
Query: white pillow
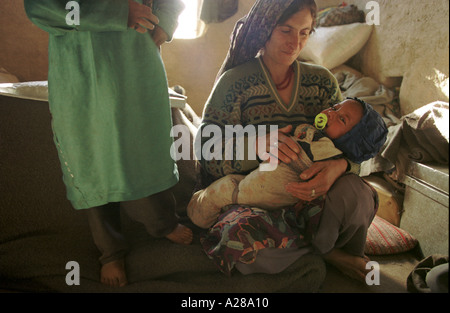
[[335, 45]]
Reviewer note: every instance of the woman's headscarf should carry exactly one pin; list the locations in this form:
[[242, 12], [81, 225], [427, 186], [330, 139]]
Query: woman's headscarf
[[251, 32]]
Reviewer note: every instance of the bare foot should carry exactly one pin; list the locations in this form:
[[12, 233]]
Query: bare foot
[[181, 234], [350, 265], [113, 274]]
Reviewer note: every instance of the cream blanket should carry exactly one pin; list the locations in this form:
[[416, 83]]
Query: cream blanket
[[262, 189]]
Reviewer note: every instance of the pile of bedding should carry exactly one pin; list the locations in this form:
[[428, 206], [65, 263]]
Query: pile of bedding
[[341, 33]]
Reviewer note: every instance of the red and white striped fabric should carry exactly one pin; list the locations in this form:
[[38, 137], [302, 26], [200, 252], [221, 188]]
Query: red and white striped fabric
[[385, 238]]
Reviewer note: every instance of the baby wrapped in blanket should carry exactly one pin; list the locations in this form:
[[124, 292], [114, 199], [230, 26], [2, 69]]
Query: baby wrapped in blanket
[[266, 189]]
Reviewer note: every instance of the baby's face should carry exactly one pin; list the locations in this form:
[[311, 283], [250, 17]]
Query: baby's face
[[342, 117]]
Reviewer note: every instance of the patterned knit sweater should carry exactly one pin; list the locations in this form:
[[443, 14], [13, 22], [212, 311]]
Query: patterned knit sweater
[[246, 95]]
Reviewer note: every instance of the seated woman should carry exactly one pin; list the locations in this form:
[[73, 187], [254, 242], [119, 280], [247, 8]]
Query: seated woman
[[265, 189], [262, 83]]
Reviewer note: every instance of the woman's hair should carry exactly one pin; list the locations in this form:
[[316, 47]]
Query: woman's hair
[[298, 5]]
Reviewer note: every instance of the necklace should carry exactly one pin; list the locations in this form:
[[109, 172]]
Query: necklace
[[287, 80]]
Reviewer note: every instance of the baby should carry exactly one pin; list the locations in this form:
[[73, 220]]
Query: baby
[[351, 128]]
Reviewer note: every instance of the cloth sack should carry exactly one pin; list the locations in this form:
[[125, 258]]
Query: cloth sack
[[429, 276]]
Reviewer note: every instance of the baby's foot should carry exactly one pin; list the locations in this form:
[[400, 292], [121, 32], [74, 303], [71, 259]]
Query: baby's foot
[[113, 274], [181, 234]]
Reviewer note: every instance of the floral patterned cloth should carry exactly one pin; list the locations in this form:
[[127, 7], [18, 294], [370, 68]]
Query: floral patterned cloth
[[242, 231]]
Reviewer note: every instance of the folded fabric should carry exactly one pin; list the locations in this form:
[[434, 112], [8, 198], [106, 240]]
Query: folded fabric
[[421, 136], [425, 131], [418, 280], [346, 14]]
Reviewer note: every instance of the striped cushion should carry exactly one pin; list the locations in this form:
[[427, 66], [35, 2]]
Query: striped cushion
[[385, 238]]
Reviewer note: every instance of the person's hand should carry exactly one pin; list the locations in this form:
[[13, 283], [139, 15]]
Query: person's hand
[[285, 148], [318, 179], [159, 36], [141, 17]]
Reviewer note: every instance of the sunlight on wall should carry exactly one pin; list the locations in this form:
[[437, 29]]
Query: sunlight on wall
[[441, 81], [189, 25]]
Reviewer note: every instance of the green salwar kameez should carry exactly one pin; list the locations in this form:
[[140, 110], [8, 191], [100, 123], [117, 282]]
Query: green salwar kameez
[[109, 100]]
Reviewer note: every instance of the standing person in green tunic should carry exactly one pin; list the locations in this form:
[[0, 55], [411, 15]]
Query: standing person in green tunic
[[111, 117]]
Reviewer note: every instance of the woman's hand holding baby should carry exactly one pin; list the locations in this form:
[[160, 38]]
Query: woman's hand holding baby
[[279, 145], [318, 179]]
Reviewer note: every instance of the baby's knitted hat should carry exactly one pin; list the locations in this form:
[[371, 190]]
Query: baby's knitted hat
[[366, 138]]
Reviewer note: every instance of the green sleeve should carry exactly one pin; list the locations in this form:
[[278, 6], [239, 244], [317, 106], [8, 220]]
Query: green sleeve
[[167, 12], [95, 15], [223, 111]]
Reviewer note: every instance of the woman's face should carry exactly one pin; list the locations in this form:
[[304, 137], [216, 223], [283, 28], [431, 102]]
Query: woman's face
[[288, 39], [342, 117]]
